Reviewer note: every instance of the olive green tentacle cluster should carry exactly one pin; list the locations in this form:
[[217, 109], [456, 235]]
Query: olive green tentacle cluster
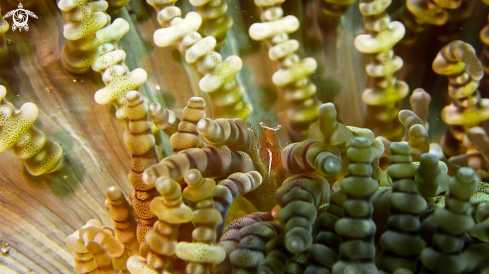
[[251, 251], [430, 181], [401, 243], [453, 222], [230, 241], [323, 253], [297, 264], [431, 177], [277, 256], [338, 138], [357, 249], [299, 197], [481, 230], [477, 257]]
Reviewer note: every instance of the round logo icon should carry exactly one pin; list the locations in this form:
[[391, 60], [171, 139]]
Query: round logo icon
[[20, 17]]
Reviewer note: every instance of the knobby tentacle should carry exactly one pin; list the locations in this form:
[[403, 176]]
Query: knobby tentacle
[[217, 76], [293, 74], [39, 154]]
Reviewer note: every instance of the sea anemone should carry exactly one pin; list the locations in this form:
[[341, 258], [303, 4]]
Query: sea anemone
[[131, 139]]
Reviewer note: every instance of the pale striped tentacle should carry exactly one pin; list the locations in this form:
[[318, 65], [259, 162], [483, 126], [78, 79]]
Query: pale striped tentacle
[[229, 189], [384, 92], [293, 74], [217, 76], [215, 20], [141, 143]]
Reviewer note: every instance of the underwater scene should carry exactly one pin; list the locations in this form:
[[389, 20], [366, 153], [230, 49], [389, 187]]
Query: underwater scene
[[244, 136]]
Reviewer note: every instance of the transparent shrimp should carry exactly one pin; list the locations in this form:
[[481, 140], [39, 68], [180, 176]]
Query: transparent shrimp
[[270, 151], [267, 155]]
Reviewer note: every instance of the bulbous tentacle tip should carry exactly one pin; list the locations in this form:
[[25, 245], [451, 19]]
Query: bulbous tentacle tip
[[165, 186], [331, 165], [114, 194], [51, 166], [149, 177], [256, 176], [327, 110], [476, 132], [360, 142], [154, 107], [428, 159], [203, 124], [132, 95], [404, 115], [466, 175], [420, 92], [196, 102], [400, 148], [457, 57], [193, 177], [295, 244], [465, 53], [3, 92], [418, 133], [298, 240]]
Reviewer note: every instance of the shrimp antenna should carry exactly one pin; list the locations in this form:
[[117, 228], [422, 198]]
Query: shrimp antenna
[[244, 105], [261, 123]]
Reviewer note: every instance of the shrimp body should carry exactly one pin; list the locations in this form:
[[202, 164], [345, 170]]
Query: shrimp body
[[270, 154]]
